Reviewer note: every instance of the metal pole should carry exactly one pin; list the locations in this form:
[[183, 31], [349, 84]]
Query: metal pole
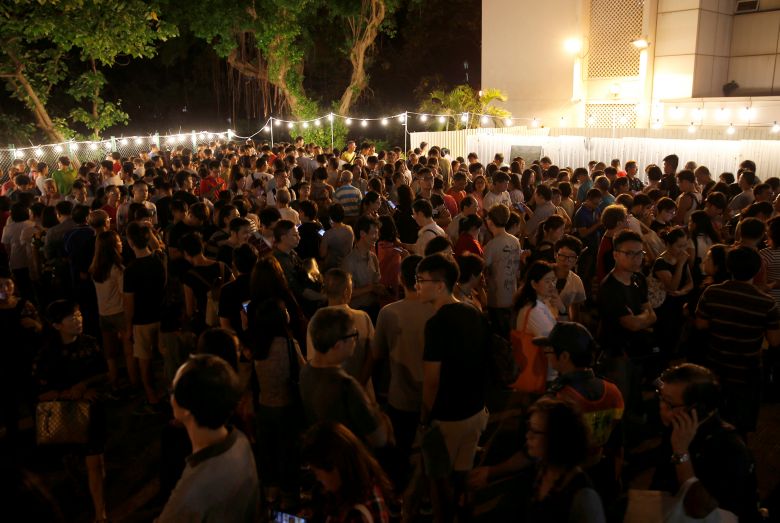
[[331, 132], [272, 131], [406, 129]]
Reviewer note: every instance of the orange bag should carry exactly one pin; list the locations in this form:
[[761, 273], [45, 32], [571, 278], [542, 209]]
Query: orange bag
[[530, 360]]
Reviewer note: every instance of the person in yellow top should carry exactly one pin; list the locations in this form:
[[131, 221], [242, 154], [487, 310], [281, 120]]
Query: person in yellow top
[[349, 153]]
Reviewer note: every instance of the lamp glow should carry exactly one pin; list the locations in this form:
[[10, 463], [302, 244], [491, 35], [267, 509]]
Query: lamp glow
[[775, 128], [402, 118], [424, 118], [722, 114], [317, 123], [748, 113], [442, 119], [39, 152], [464, 117], [731, 129], [289, 125], [591, 120], [508, 122], [267, 128], [305, 125], [278, 123], [657, 124], [74, 147], [124, 141], [572, 45], [364, 123], [330, 117], [18, 154], [58, 148], [348, 121], [138, 141], [675, 113], [534, 122], [623, 120], [691, 128], [483, 120], [640, 43], [697, 113], [384, 121]]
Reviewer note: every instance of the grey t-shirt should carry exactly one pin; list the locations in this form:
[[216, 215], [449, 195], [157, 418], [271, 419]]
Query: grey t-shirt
[[219, 484], [330, 394], [502, 261], [339, 241]]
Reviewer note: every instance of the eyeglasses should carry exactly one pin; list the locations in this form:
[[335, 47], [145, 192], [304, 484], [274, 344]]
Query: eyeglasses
[[633, 254], [423, 280], [666, 401], [349, 336], [566, 256]]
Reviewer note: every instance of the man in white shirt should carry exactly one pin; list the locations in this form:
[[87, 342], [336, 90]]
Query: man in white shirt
[[498, 191], [571, 291], [468, 206], [108, 175], [422, 210], [502, 267]]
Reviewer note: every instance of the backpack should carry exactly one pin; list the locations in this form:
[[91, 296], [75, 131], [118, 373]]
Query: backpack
[[211, 314]]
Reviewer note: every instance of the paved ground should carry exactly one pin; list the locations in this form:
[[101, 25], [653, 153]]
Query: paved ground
[[132, 463]]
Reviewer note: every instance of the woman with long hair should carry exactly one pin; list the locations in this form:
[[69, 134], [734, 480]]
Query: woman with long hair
[[107, 272], [390, 252], [404, 220], [557, 438], [672, 270], [537, 299], [549, 231], [479, 190], [268, 282], [277, 362], [354, 484], [702, 236]]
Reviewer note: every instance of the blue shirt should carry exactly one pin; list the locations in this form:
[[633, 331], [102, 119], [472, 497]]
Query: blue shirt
[[349, 197]]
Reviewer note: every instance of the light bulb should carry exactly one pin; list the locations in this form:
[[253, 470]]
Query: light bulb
[[317, 123], [289, 125], [330, 117], [18, 154], [534, 123], [305, 125], [722, 114], [424, 118], [675, 113], [483, 120], [74, 147], [39, 152], [278, 123], [348, 121], [138, 141], [203, 134], [775, 127], [731, 129], [211, 135], [507, 122], [442, 119], [691, 128], [591, 120], [267, 128], [364, 123], [384, 121], [657, 124], [697, 113], [124, 141], [58, 148], [402, 118], [464, 117], [623, 120]]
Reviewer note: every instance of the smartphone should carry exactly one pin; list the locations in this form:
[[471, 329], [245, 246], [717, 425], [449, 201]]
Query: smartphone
[[390, 204], [321, 232], [283, 517], [245, 305]]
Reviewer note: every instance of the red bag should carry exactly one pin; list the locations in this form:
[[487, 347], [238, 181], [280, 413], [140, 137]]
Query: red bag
[[530, 360]]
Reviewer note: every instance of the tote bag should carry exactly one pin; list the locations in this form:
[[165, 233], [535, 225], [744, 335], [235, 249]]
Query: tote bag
[[530, 360]]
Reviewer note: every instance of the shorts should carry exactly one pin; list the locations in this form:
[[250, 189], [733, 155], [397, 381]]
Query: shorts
[[461, 438], [112, 322], [145, 339]]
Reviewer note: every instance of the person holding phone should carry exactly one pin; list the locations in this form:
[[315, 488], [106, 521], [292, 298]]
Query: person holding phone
[[703, 449]]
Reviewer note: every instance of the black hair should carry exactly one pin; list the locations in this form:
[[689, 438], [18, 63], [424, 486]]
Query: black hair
[[527, 294], [409, 270], [219, 342], [469, 265], [441, 268], [569, 242], [702, 389], [743, 263], [209, 389]]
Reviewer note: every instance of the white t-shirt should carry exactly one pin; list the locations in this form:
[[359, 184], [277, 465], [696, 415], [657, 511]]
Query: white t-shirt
[[426, 234], [491, 199], [290, 214], [502, 264], [540, 322], [109, 293], [573, 292]]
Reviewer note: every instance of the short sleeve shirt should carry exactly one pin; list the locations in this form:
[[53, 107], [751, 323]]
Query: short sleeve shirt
[[145, 279], [502, 260]]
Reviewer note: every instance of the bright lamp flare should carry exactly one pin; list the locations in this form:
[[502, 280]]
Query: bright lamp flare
[[289, 125], [464, 117], [348, 121], [483, 120], [74, 147], [731, 129], [572, 45], [18, 154], [305, 125], [775, 127], [38, 152], [424, 118], [534, 123], [691, 128], [507, 122], [58, 148], [317, 123], [124, 141], [384, 121], [442, 119], [364, 123], [267, 129], [402, 118]]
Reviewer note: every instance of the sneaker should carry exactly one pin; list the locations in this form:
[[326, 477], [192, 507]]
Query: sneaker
[[147, 408]]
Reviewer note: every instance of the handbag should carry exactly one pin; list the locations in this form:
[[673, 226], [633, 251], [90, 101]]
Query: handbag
[[62, 422], [530, 360]]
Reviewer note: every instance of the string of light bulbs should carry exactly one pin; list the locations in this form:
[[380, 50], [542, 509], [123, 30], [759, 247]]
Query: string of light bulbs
[[405, 118]]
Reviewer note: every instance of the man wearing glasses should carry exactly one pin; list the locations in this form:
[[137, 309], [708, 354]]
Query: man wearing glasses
[[626, 317], [569, 285]]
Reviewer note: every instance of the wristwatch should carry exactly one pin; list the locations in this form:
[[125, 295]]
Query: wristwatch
[[680, 458]]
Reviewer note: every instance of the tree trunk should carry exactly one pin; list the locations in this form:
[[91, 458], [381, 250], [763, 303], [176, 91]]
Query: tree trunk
[[364, 28], [42, 118], [95, 96]]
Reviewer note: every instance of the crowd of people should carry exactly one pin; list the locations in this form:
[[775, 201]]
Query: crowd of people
[[328, 326]]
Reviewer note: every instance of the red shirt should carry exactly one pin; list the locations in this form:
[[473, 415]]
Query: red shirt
[[467, 243], [211, 186], [451, 204]]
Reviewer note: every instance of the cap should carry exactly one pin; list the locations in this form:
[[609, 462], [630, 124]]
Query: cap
[[568, 336]]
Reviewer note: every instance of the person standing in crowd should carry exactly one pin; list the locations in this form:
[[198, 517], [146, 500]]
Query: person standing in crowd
[[454, 371], [502, 268], [568, 284], [362, 264], [220, 481], [423, 215], [143, 287], [738, 317]]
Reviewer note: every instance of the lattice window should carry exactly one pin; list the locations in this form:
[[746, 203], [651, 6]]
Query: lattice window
[[613, 25], [608, 115]]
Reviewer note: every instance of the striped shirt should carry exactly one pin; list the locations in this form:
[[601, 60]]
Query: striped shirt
[[349, 197], [739, 316]]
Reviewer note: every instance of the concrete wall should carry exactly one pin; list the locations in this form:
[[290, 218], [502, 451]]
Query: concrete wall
[[523, 54], [755, 53]]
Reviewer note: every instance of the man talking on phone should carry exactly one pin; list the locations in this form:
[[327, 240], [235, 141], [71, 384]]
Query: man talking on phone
[[704, 452]]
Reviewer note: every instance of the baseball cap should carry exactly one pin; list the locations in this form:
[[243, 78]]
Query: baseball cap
[[568, 336]]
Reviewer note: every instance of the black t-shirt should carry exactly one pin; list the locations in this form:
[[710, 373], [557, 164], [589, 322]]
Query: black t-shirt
[[407, 227], [309, 246], [190, 198], [145, 279], [177, 231], [200, 288], [163, 211], [615, 300], [232, 295], [456, 337], [172, 314]]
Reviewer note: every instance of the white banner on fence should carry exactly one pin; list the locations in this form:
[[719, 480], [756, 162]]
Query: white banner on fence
[[577, 151]]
